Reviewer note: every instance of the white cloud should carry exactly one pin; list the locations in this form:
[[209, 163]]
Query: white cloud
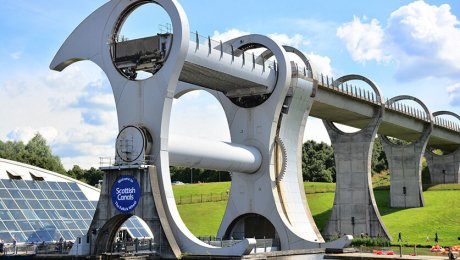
[[425, 41], [320, 64], [199, 114], [363, 40], [421, 38], [295, 41], [454, 94], [55, 104], [26, 133], [315, 130], [228, 35]]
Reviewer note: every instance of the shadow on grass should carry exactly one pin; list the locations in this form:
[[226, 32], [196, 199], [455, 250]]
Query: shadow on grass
[[382, 198], [322, 219]]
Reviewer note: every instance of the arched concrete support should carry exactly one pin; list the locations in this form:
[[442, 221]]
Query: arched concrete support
[[405, 164], [146, 103], [355, 211], [444, 168], [261, 126]]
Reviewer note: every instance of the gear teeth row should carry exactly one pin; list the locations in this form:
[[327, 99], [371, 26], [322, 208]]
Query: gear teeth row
[[282, 172]]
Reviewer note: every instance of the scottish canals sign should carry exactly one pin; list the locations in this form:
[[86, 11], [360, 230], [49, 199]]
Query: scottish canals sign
[[126, 193]]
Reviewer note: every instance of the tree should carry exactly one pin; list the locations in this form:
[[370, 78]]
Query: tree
[[91, 176], [183, 174], [318, 162], [379, 159], [36, 152]]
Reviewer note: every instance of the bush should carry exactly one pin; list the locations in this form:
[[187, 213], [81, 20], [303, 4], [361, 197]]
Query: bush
[[370, 242]]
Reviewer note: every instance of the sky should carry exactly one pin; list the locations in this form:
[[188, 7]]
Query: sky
[[406, 47]]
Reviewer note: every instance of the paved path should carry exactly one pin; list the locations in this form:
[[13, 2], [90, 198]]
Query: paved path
[[352, 256]]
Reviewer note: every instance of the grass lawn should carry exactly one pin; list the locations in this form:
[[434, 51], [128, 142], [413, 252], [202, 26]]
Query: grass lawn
[[200, 188], [318, 187], [441, 213], [203, 219]]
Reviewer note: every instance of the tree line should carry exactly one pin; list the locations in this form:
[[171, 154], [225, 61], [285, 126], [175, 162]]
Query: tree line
[[318, 163], [38, 153]]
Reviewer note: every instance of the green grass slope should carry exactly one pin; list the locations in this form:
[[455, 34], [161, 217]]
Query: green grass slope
[[441, 213]]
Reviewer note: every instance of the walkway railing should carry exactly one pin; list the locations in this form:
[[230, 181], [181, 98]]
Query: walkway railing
[[108, 161], [261, 243], [18, 249], [135, 246], [245, 57], [368, 96]]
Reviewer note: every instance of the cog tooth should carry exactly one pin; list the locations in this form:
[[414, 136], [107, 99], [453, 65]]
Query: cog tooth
[[281, 144]]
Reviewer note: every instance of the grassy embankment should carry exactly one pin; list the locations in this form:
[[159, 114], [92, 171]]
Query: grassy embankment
[[441, 213]]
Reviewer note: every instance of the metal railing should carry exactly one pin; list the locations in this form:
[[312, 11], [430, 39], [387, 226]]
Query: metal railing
[[368, 96], [245, 57], [18, 249], [135, 246], [260, 242], [108, 161]]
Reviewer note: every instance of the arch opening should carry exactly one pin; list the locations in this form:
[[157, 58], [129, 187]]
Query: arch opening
[[198, 114], [360, 88], [251, 226], [255, 53], [124, 233], [137, 50], [407, 107], [449, 120]]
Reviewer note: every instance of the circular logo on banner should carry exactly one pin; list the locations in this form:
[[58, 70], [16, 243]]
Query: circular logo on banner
[[126, 193]]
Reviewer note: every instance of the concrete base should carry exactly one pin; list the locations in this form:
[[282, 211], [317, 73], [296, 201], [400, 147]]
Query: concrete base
[[354, 210], [107, 219], [405, 165], [444, 168]]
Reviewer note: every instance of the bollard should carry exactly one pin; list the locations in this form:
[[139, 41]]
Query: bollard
[[265, 245], [400, 250], [415, 250]]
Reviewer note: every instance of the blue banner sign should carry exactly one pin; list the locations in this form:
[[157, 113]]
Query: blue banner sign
[[126, 193]]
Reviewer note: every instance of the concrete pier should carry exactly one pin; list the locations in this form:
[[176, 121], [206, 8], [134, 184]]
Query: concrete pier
[[355, 211], [405, 164], [444, 168]]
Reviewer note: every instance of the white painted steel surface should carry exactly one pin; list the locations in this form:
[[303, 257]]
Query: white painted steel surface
[[216, 155], [147, 102]]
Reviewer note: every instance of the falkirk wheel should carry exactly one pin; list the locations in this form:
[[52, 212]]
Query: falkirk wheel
[[266, 103]]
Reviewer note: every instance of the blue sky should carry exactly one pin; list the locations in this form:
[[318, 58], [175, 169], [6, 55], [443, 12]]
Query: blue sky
[[406, 47]]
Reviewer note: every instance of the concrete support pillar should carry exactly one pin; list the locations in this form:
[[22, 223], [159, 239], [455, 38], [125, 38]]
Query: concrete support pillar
[[355, 211], [444, 168], [405, 165]]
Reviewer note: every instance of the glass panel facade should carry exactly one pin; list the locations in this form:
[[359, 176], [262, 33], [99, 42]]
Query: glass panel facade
[[35, 211]]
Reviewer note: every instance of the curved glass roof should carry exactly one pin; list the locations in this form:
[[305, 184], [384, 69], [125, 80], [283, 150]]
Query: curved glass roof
[[41, 210]]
